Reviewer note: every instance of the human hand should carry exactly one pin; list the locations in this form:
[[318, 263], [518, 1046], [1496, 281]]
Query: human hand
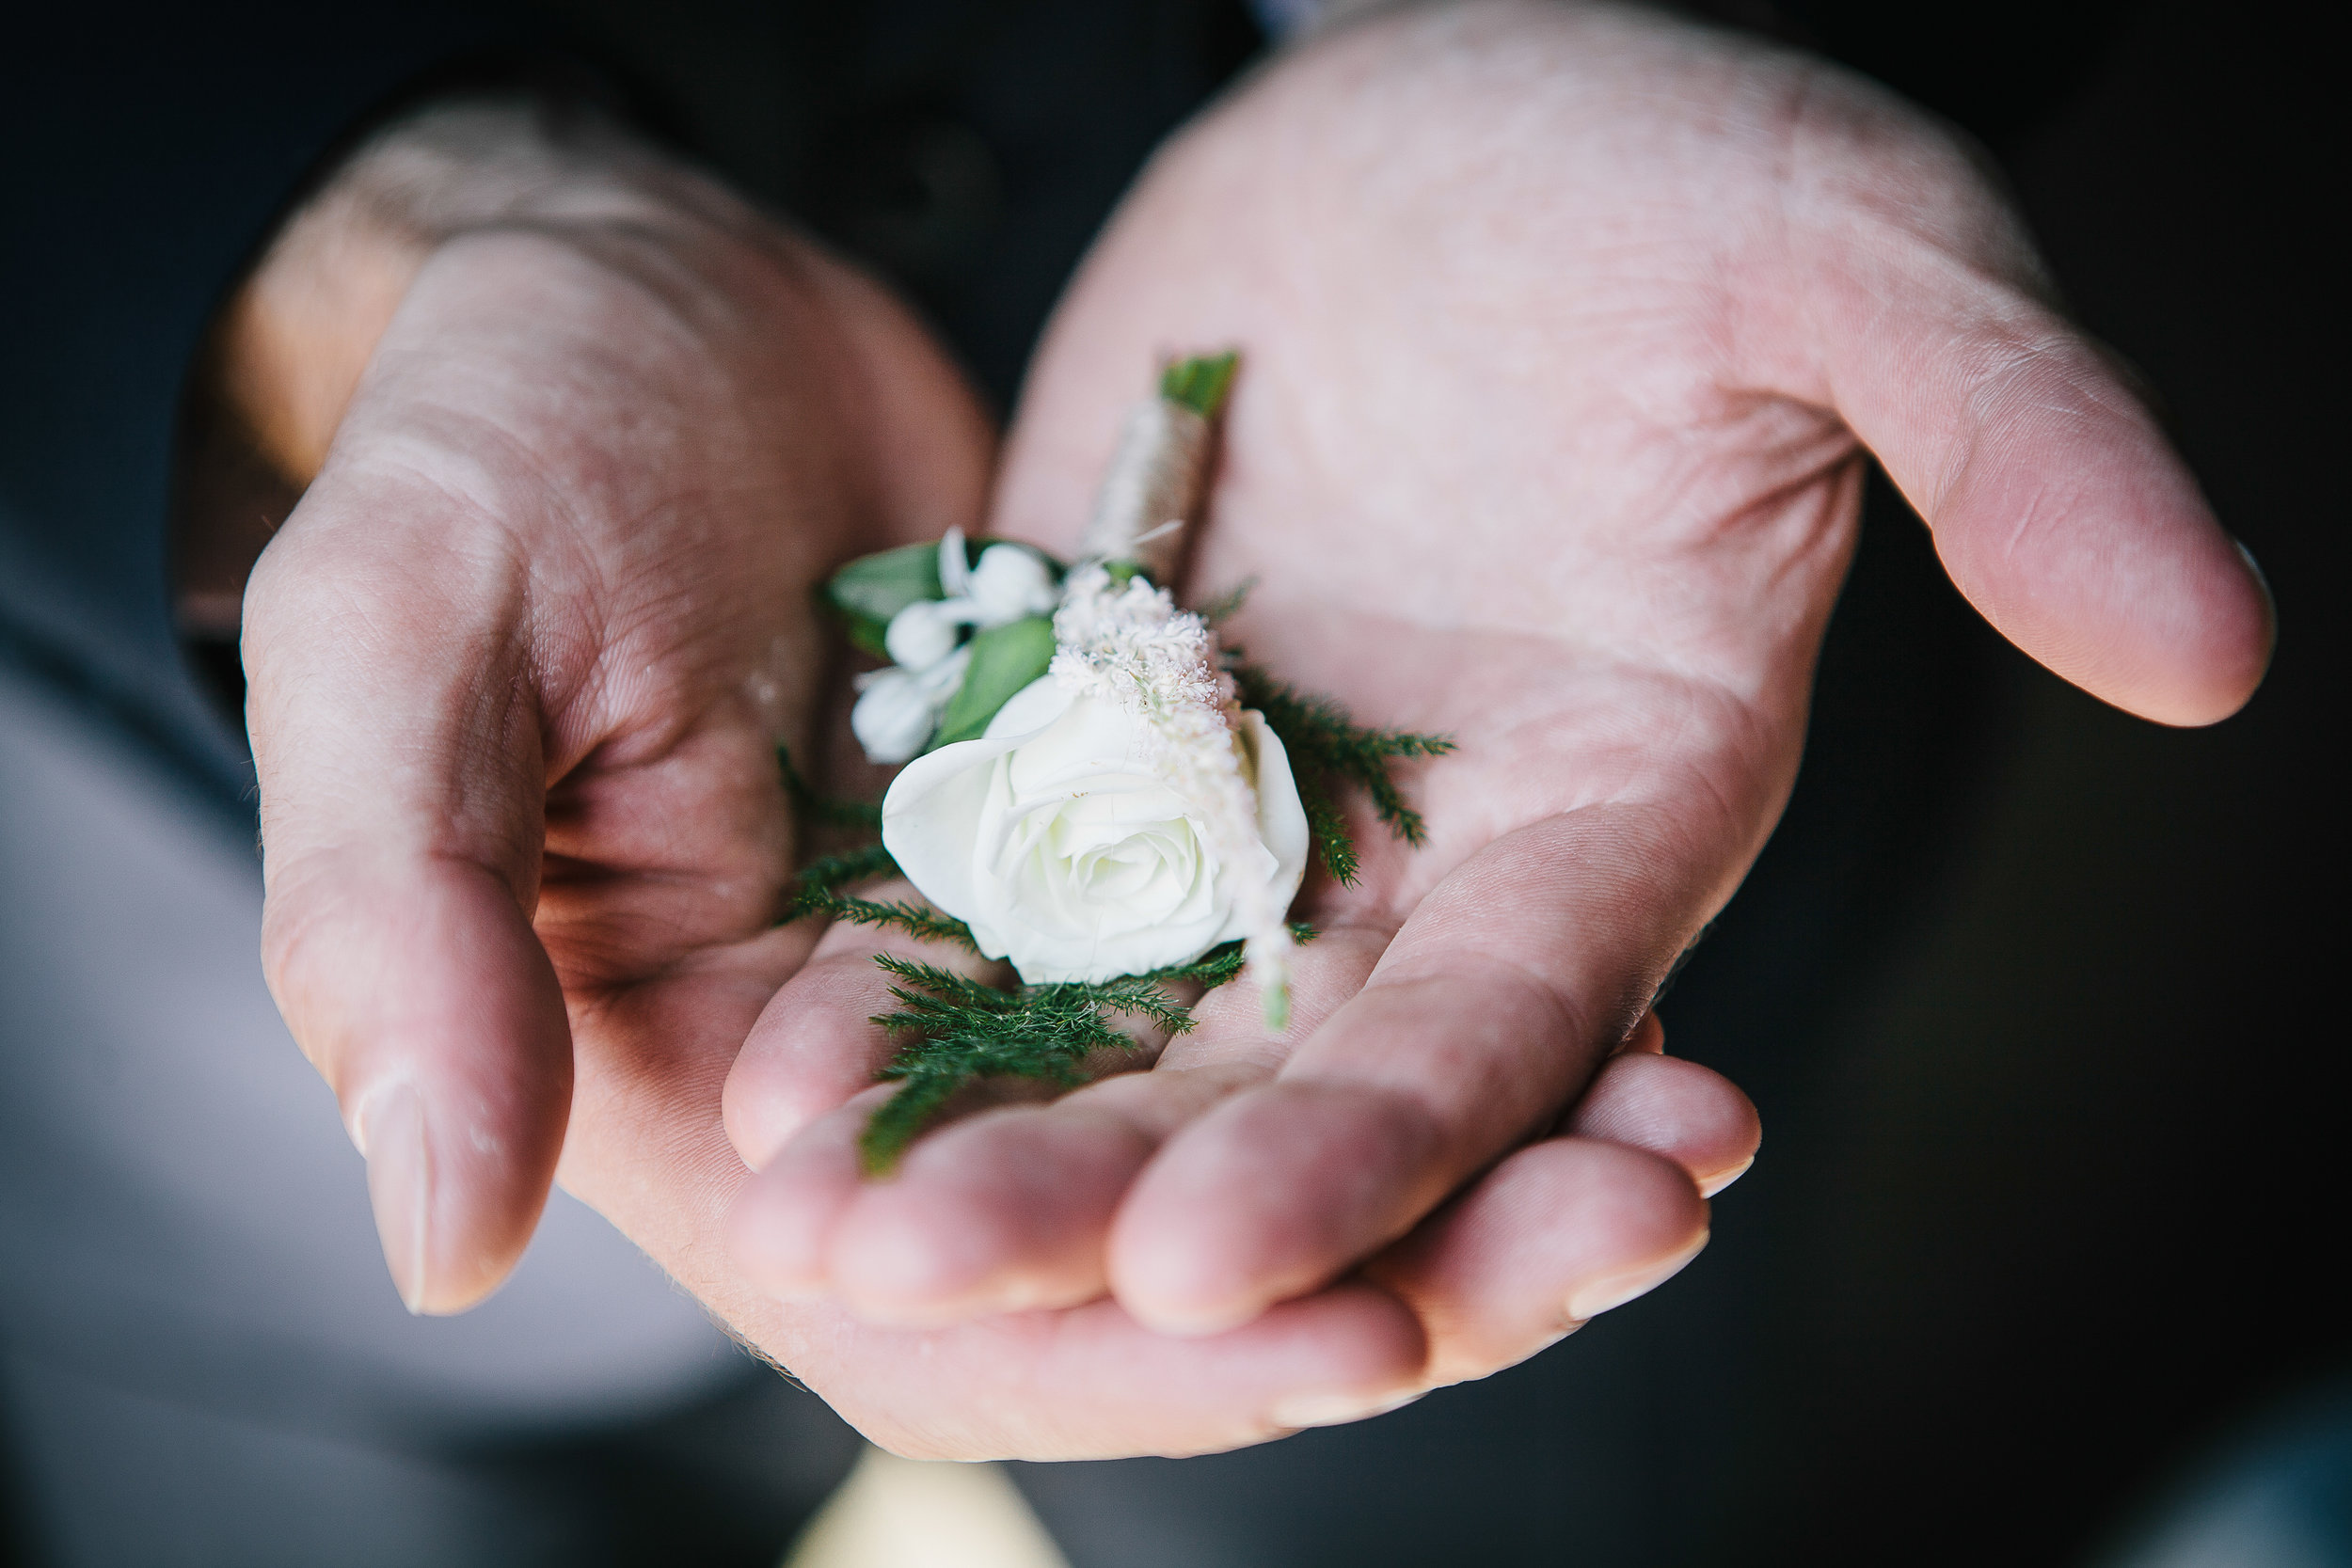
[[1563, 328], [519, 661], [580, 432]]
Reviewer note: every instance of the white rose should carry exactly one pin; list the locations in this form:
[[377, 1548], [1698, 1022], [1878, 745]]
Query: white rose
[[1065, 853]]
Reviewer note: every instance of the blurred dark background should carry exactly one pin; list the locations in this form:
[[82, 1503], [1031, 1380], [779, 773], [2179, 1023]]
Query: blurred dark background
[[2067, 1162], [2068, 1198], [2037, 1000]]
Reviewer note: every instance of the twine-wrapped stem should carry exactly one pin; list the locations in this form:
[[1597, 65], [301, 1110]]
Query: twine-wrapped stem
[[1151, 491]]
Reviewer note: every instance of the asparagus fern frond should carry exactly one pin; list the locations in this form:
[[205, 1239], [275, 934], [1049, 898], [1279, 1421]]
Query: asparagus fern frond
[[962, 1029], [1324, 745]]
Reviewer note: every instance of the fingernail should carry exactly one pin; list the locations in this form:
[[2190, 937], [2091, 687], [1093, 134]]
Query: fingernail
[[400, 1184], [1614, 1290], [2262, 581], [1331, 1410], [1722, 1179], [2251, 564]]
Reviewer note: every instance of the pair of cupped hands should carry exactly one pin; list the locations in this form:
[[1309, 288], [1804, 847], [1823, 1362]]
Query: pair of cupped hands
[[1565, 330]]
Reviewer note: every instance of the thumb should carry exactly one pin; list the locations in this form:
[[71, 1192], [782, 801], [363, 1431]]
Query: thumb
[[2058, 506], [397, 739]]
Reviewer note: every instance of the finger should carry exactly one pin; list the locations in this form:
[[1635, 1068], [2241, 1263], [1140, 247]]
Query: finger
[[401, 799], [1514, 976], [1677, 1110], [780, 1223], [1084, 1383], [977, 1218], [1008, 1210], [816, 1043], [1559, 1233], [2056, 504], [1090, 1383]]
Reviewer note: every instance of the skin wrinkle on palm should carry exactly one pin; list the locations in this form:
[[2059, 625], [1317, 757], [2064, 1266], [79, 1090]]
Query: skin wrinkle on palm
[[1343, 447]]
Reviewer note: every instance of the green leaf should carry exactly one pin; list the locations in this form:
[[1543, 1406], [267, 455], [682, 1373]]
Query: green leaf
[[874, 588], [1004, 660], [1200, 383]]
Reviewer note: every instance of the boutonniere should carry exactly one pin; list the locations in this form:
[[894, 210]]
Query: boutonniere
[[1094, 790]]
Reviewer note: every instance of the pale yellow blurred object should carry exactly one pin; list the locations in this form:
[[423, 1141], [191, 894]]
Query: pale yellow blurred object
[[896, 1513]]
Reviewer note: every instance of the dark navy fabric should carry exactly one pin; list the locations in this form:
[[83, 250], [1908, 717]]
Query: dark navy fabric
[[147, 148]]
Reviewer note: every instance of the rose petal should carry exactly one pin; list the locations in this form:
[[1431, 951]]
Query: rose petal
[[931, 814], [1282, 815]]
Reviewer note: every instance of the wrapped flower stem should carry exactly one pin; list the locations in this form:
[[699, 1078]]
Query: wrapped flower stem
[[1159, 471]]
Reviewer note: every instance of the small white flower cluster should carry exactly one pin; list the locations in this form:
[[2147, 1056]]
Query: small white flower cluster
[[1131, 645], [898, 706]]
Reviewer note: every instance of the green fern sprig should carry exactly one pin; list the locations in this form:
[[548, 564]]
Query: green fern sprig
[[1324, 744], [1327, 825], [965, 1031], [896, 1123], [831, 811], [818, 891], [820, 887], [915, 920]]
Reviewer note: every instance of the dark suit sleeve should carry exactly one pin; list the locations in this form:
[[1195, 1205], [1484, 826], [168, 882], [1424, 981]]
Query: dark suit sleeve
[[146, 151]]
